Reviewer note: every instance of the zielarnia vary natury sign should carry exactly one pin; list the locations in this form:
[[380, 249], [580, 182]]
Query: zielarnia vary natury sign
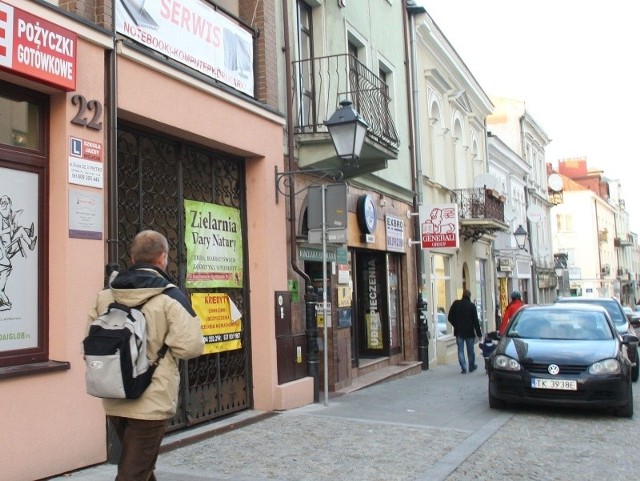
[[213, 236]]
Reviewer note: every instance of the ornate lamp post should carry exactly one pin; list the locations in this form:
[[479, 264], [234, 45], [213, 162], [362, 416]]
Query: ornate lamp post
[[347, 130], [521, 237]]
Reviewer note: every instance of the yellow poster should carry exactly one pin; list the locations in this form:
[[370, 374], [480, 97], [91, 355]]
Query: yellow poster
[[221, 321]]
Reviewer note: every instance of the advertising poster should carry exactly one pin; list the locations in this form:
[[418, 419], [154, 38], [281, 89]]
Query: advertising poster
[[439, 225], [85, 214], [19, 252], [193, 33], [36, 48], [221, 321], [213, 236]]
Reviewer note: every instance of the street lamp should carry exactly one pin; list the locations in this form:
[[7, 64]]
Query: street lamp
[[521, 237], [562, 273], [347, 130]]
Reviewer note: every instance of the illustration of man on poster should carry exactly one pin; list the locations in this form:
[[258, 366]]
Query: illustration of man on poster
[[14, 239]]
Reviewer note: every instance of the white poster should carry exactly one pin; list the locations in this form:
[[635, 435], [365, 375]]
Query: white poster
[[85, 214], [19, 248], [193, 33]]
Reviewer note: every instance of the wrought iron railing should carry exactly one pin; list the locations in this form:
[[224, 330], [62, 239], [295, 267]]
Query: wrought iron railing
[[480, 203], [321, 83]]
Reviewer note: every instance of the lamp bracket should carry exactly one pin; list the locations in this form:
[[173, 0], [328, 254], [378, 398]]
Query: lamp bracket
[[412, 214], [283, 179], [412, 242]]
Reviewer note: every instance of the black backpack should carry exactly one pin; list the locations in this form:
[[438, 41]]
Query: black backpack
[[115, 352]]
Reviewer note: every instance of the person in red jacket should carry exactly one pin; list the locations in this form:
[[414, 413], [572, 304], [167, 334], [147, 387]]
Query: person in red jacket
[[515, 304]]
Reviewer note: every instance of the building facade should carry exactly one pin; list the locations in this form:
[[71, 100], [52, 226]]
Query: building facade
[[361, 302], [521, 133], [513, 262], [458, 213], [113, 128]]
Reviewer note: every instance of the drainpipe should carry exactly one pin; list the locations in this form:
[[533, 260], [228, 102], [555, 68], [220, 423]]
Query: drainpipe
[[416, 167], [114, 447], [311, 327], [112, 142]]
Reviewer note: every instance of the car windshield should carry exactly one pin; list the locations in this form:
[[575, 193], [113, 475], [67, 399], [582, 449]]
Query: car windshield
[[560, 324]]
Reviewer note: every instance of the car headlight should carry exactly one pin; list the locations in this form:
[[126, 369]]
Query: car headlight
[[608, 366], [505, 362]]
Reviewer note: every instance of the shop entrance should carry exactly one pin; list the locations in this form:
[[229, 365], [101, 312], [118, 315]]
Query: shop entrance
[[371, 327], [155, 175]]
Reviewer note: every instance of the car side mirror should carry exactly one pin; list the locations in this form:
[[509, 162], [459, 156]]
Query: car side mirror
[[635, 322], [630, 339]]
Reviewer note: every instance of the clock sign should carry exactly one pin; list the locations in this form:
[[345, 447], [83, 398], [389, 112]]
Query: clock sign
[[367, 215]]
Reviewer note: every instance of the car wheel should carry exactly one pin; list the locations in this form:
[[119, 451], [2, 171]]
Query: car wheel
[[626, 411], [495, 403]]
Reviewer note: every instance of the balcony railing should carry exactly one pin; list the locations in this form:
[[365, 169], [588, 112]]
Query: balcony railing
[[481, 211], [480, 203], [321, 83]]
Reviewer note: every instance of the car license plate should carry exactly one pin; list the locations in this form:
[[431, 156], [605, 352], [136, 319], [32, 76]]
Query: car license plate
[[560, 384]]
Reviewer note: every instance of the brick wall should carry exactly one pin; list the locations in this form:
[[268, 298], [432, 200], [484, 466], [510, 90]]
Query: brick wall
[[99, 12], [260, 14]]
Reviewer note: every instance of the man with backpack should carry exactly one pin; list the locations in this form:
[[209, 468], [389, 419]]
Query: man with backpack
[[140, 423]]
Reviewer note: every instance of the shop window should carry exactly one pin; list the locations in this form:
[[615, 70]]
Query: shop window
[[441, 295], [23, 236]]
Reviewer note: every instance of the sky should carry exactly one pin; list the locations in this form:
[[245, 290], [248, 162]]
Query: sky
[[575, 65]]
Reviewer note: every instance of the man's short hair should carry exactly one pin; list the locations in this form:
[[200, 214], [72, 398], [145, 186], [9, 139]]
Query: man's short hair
[[147, 245], [466, 293]]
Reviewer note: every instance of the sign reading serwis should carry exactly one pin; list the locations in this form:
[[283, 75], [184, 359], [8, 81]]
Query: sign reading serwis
[[193, 33], [36, 48]]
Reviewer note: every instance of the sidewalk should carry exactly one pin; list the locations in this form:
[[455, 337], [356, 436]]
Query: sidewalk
[[417, 428]]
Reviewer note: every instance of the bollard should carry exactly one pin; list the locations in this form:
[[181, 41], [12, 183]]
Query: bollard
[[423, 333]]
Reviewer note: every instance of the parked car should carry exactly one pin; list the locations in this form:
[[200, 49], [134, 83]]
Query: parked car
[[632, 315], [619, 318], [562, 355]]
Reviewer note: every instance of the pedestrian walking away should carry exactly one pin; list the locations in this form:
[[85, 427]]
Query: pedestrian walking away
[[463, 316], [140, 423], [515, 304]]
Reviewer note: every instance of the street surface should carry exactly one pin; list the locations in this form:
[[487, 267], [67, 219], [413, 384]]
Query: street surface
[[434, 426]]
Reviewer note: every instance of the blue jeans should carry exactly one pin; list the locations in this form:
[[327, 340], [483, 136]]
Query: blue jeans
[[470, 343]]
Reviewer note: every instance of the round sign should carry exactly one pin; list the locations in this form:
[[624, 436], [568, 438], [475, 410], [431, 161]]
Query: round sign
[[555, 182], [535, 213], [510, 212], [367, 215]]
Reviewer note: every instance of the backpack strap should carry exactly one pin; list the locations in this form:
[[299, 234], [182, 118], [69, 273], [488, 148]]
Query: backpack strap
[[161, 353]]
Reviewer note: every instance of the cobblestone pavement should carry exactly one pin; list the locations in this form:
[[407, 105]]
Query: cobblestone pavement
[[313, 444], [433, 426], [557, 445]]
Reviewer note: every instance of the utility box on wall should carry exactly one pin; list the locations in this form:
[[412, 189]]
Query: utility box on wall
[[291, 347], [283, 313]]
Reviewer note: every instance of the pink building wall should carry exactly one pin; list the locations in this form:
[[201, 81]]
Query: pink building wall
[[49, 417]]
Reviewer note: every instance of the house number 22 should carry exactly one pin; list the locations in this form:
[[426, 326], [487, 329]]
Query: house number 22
[[85, 105]]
